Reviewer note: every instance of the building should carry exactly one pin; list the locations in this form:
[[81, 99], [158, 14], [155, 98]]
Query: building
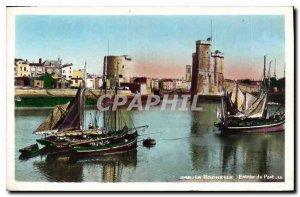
[[76, 82], [116, 70], [217, 70], [143, 80], [207, 70], [37, 83], [186, 85], [166, 84], [155, 84], [66, 71], [22, 82], [77, 73], [178, 84], [98, 82], [188, 73], [21, 68], [62, 83], [37, 69], [90, 82], [53, 66]]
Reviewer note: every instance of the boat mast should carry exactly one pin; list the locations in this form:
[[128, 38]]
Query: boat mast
[[104, 81], [116, 92], [84, 86], [265, 59]]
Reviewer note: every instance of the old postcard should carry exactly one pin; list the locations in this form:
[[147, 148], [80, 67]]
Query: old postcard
[[150, 99]]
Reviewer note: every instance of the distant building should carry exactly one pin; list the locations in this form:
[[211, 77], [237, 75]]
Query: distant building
[[53, 66], [117, 70], [62, 83], [166, 84], [66, 71], [76, 82], [77, 73], [207, 70], [37, 69], [143, 80], [188, 73], [22, 81], [37, 83], [155, 84], [90, 82], [21, 68], [186, 85], [217, 64]]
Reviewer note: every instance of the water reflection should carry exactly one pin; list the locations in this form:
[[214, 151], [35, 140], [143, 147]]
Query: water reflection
[[187, 144], [217, 154], [71, 168]]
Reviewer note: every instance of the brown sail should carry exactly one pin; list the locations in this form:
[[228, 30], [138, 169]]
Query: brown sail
[[47, 126], [73, 118]]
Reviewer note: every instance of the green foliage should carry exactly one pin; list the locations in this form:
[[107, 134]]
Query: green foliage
[[48, 80], [48, 101]]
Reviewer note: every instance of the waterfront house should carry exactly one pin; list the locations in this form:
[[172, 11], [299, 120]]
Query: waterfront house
[[62, 83], [76, 82], [66, 70], [22, 82], [21, 68], [53, 66], [37, 68], [166, 84], [37, 83], [143, 81], [155, 84], [77, 73], [90, 82]]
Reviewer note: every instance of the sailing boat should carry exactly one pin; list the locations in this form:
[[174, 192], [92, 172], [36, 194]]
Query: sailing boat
[[244, 112], [64, 130], [114, 122]]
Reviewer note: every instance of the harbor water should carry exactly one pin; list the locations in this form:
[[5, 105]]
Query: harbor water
[[187, 145]]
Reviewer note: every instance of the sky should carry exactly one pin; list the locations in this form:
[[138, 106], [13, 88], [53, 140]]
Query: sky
[[160, 46]]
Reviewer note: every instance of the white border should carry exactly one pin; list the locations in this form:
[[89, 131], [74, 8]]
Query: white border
[[157, 186]]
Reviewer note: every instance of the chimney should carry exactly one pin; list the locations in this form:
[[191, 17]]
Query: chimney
[[40, 60]]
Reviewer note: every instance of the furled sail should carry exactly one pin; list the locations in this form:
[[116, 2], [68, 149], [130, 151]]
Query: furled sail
[[118, 119], [51, 120], [73, 118]]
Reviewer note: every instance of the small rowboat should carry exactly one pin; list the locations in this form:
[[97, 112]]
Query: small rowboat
[[149, 142], [32, 149]]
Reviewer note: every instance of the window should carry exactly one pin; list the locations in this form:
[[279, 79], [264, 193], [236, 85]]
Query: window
[[24, 68], [63, 71]]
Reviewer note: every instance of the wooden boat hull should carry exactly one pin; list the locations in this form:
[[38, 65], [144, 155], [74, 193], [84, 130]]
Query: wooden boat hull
[[131, 144], [27, 155], [265, 128]]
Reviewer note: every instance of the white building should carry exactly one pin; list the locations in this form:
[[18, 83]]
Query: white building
[[90, 83], [66, 70]]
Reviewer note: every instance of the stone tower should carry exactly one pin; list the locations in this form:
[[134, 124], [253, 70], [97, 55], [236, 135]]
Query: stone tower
[[207, 70], [117, 70], [217, 65], [188, 72], [201, 75]]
